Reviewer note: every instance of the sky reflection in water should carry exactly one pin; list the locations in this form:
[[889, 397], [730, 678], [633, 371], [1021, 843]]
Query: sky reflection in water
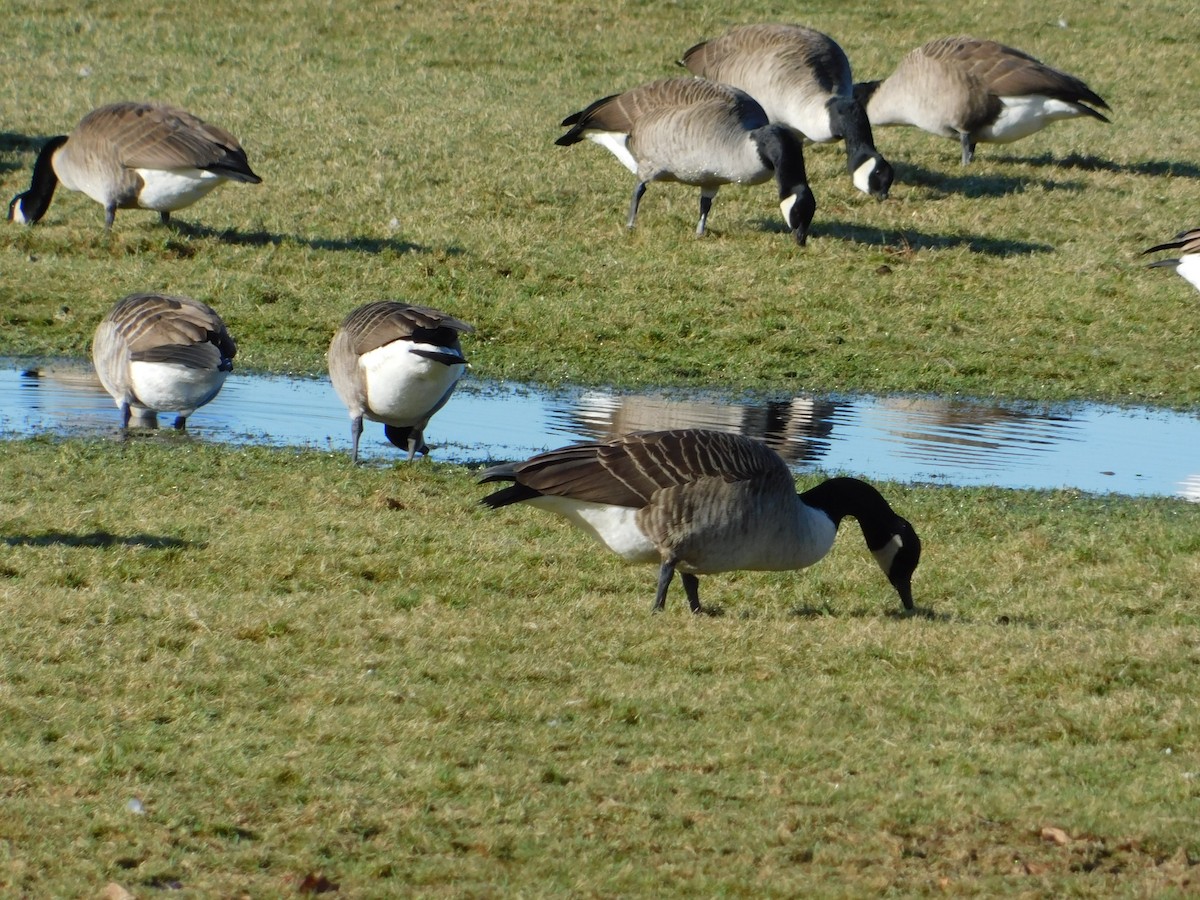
[[1094, 448]]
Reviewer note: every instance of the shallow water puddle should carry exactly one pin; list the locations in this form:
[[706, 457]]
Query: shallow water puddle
[[1099, 449]]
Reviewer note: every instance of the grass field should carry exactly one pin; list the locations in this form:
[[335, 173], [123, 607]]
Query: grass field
[[231, 672]]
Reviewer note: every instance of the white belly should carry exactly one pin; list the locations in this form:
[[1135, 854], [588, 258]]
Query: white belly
[[169, 387], [613, 526], [1022, 116], [167, 190], [403, 388]]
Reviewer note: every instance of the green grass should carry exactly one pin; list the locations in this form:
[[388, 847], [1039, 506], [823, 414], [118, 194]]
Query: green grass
[[301, 669], [407, 151]]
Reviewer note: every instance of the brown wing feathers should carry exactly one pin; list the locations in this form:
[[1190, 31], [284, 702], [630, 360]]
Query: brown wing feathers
[[1006, 71], [164, 137], [169, 329], [376, 324], [630, 470]]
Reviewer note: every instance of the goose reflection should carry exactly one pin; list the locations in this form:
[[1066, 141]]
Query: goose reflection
[[797, 428], [977, 435]]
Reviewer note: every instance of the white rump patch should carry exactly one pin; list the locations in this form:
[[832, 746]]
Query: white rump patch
[[170, 387], [404, 388], [1189, 268], [1022, 116], [167, 190], [613, 526], [616, 143]]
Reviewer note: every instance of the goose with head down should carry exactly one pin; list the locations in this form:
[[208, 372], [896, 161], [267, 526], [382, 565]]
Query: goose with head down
[[976, 91], [135, 155], [155, 353], [698, 501], [802, 79], [697, 132], [398, 364]]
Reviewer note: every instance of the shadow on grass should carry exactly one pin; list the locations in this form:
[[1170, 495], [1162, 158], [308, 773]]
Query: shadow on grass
[[10, 142], [975, 184], [909, 241], [805, 611], [1153, 168], [267, 238], [100, 539]]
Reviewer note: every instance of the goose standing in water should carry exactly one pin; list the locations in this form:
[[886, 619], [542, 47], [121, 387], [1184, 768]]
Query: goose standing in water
[[397, 364], [135, 155], [976, 92], [156, 353], [702, 501], [802, 79], [700, 133]]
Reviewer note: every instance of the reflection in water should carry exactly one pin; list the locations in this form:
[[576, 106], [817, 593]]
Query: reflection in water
[[1092, 448], [796, 429]]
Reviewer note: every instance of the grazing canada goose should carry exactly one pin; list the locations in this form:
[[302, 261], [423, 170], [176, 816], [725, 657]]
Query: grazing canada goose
[[134, 155], [156, 353], [801, 78], [1187, 263], [704, 501], [702, 133], [397, 364], [977, 92]]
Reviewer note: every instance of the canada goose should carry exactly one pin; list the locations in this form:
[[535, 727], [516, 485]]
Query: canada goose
[[698, 132], [704, 501], [1187, 263], [397, 364], [134, 155], [156, 353], [802, 79], [976, 91]]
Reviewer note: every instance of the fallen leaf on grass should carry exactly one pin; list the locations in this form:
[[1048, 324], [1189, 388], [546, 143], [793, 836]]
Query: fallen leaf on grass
[[113, 891], [316, 883], [1055, 835]]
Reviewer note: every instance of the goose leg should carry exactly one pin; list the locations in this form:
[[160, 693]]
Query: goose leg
[[706, 200], [691, 587], [110, 213], [164, 216], [665, 574], [126, 414], [355, 434], [181, 423], [968, 148], [638, 190]]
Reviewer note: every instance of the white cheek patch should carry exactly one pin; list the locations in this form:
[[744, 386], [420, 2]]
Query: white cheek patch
[[862, 176], [886, 554], [785, 206], [18, 215]]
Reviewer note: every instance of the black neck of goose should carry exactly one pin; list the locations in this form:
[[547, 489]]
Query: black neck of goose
[[782, 150], [36, 200], [864, 91], [891, 538], [848, 120], [841, 497]]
